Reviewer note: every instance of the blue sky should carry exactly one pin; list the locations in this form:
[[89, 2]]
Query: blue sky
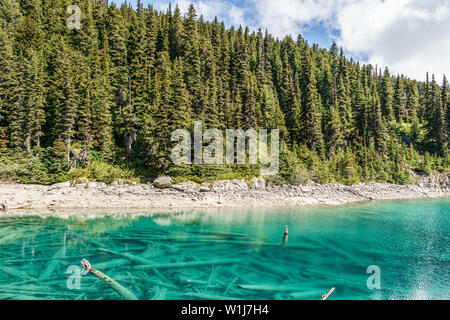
[[411, 37]]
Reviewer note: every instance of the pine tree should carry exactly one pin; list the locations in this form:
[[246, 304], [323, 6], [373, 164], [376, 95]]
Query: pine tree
[[34, 101], [176, 34], [446, 105], [179, 108], [311, 117], [289, 101], [436, 127], [360, 113], [400, 100], [334, 132], [249, 107], [387, 96], [9, 82], [68, 111], [192, 58], [378, 128]]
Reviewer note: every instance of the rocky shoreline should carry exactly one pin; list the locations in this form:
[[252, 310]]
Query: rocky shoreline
[[162, 194]]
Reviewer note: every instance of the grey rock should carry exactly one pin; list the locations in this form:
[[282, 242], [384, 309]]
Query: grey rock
[[204, 187], [229, 185], [102, 185], [163, 182], [62, 185], [238, 185], [91, 185], [114, 184], [186, 187], [221, 185]]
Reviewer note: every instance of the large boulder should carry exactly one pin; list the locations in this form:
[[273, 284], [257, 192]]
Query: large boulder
[[163, 182], [204, 187], [61, 185], [238, 185], [188, 187], [221, 185]]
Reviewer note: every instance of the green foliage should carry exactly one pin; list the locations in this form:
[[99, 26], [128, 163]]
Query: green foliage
[[102, 102]]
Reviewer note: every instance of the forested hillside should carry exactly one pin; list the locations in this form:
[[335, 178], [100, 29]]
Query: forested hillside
[[103, 101]]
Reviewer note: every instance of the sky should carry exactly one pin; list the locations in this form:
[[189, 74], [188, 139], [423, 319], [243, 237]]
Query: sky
[[410, 37]]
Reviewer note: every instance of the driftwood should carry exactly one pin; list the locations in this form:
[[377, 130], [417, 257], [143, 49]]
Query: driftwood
[[304, 295], [326, 295], [285, 236], [122, 291]]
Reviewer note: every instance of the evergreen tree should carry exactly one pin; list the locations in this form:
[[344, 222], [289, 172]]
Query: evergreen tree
[[34, 101], [311, 117], [436, 127], [9, 84], [400, 100], [290, 104], [118, 87], [387, 96]]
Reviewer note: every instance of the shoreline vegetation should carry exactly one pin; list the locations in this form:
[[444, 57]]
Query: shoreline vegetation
[[163, 194]]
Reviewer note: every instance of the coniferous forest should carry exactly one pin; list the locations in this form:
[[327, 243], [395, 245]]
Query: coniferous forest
[[102, 102]]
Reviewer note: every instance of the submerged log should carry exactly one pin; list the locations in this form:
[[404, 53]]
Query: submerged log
[[53, 264], [207, 296], [122, 291], [265, 287], [128, 256], [112, 263], [231, 284], [16, 273], [187, 264]]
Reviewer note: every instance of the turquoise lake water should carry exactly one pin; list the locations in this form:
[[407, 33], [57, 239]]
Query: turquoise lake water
[[235, 254]]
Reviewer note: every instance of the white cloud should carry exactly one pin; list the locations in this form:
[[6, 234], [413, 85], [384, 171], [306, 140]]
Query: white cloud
[[283, 17], [411, 37]]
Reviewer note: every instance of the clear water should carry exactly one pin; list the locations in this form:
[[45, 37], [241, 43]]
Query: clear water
[[235, 254]]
